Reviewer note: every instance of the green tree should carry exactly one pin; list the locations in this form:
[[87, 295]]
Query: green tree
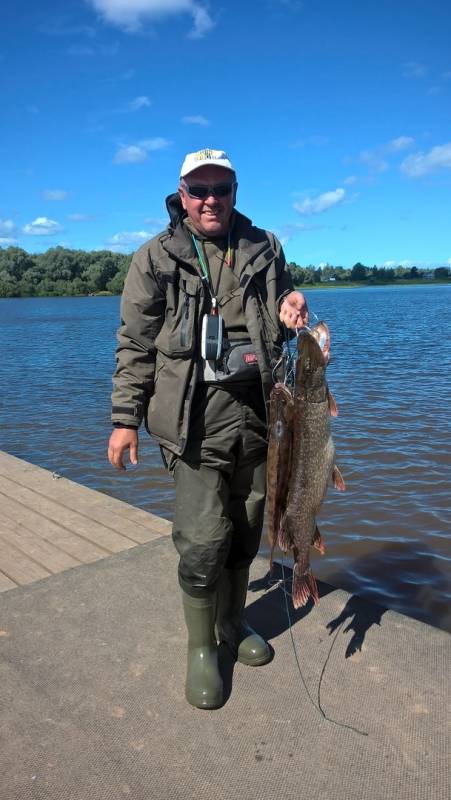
[[358, 272], [441, 272]]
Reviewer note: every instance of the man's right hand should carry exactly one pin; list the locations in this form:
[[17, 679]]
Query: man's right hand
[[123, 439]]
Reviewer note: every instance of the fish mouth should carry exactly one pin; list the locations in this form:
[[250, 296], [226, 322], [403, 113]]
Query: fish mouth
[[309, 352], [321, 333], [310, 367]]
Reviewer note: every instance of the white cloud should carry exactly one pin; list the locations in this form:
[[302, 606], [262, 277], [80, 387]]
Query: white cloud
[[130, 15], [202, 22], [135, 153], [420, 164], [42, 226], [350, 179], [158, 143], [374, 160], [55, 194], [139, 102], [156, 223], [128, 240], [401, 143], [449, 261], [412, 69], [196, 119], [130, 155], [7, 241], [321, 203], [79, 217], [7, 226]]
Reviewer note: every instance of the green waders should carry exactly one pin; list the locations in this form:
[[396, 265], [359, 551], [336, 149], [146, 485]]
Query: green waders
[[247, 646], [220, 486], [203, 687]]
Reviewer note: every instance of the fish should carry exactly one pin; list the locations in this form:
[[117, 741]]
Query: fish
[[279, 459], [312, 465]]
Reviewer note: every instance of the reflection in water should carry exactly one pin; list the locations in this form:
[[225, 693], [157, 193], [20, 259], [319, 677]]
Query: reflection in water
[[387, 538], [402, 578]]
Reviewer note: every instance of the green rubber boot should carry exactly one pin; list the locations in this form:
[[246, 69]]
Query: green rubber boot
[[203, 681], [247, 646]]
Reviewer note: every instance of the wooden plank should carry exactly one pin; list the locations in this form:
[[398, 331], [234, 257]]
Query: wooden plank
[[66, 517], [69, 542], [6, 583], [45, 554], [19, 567], [107, 508]]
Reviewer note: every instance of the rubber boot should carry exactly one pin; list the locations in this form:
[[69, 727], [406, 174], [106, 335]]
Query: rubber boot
[[247, 646], [203, 681]]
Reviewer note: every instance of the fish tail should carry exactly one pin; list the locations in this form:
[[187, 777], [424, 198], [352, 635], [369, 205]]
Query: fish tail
[[304, 586]]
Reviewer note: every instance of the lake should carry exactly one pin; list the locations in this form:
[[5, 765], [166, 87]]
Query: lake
[[388, 537]]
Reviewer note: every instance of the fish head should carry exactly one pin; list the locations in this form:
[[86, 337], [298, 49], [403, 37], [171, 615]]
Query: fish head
[[321, 333], [281, 404], [311, 363]]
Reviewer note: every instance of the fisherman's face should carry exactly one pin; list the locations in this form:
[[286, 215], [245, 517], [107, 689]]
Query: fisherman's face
[[210, 215]]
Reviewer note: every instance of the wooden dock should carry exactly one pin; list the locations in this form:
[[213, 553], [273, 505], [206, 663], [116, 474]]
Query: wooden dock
[[49, 524]]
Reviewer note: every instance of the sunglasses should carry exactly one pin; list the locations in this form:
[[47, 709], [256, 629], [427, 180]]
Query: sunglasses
[[217, 190]]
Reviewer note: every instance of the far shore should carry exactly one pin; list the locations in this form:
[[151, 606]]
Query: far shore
[[303, 287]]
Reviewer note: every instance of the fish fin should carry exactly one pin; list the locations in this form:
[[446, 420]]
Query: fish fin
[[285, 540], [338, 480], [318, 541], [304, 586], [333, 408]]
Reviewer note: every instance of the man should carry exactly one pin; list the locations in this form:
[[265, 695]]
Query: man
[[200, 335]]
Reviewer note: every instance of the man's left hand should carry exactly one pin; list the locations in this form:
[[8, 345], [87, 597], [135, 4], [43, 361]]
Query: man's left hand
[[293, 310]]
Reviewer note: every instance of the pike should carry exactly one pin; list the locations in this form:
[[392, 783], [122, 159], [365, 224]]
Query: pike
[[279, 459], [312, 464]]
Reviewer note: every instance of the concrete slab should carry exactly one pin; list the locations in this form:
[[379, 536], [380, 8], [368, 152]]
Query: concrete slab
[[92, 673]]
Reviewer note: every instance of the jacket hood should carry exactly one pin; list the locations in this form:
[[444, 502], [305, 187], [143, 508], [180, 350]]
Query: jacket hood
[[175, 209]]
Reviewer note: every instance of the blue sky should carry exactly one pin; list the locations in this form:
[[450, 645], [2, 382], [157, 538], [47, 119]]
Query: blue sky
[[336, 115]]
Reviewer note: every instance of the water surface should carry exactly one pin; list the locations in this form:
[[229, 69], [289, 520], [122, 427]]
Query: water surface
[[388, 537]]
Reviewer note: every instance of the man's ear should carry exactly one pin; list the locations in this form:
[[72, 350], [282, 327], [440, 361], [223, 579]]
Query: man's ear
[[182, 197], [234, 193]]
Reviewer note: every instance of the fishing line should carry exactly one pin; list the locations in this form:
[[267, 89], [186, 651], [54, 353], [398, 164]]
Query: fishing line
[[289, 356], [317, 705]]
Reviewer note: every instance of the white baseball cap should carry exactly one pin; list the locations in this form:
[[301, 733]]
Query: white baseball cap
[[203, 157]]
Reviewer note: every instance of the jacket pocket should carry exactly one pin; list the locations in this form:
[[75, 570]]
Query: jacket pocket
[[177, 337], [166, 412]]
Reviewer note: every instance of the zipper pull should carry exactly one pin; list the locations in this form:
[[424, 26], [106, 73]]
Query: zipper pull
[[214, 310]]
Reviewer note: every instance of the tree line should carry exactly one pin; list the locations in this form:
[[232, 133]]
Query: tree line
[[63, 272], [359, 273]]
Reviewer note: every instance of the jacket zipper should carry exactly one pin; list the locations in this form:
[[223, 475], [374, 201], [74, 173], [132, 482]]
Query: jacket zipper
[[185, 319]]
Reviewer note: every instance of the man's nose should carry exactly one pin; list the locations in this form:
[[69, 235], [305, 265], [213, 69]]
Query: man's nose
[[211, 199]]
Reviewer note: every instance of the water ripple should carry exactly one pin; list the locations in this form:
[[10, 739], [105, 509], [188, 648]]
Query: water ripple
[[388, 537]]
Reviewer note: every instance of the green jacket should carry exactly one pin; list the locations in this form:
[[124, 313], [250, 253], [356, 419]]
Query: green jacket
[[161, 318]]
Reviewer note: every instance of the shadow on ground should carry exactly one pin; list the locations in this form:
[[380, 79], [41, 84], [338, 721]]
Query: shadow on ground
[[272, 613]]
